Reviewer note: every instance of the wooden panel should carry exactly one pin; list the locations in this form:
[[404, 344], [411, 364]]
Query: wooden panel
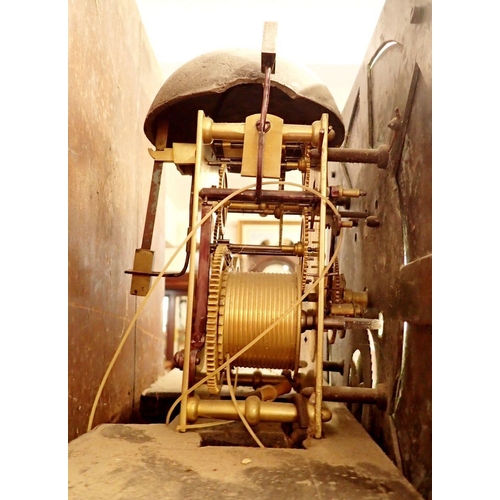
[[112, 80], [394, 261], [144, 462]]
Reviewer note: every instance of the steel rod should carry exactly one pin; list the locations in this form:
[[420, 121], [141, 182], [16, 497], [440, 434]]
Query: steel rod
[[268, 196], [333, 366], [263, 250], [344, 394], [154, 190], [379, 156], [346, 322]]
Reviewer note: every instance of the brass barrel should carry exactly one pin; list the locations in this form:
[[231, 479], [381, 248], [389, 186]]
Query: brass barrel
[[253, 409], [253, 301]]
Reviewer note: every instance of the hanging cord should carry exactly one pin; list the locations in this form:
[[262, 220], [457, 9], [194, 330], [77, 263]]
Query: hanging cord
[[270, 327], [148, 295], [163, 271], [210, 424], [240, 413], [236, 379], [182, 272]]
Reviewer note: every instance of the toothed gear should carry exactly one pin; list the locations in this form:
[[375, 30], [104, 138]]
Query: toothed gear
[[337, 284], [221, 214], [220, 325], [305, 240], [306, 219], [307, 176], [211, 339]]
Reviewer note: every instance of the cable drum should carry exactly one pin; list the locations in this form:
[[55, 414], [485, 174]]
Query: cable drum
[[250, 302]]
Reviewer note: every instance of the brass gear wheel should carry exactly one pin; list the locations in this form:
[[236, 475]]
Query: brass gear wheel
[[221, 214], [307, 173], [306, 223], [337, 288], [211, 339], [305, 240]]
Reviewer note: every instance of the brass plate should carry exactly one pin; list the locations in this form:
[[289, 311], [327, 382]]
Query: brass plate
[[271, 167]]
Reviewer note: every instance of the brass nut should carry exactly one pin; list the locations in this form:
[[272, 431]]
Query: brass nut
[[252, 410], [207, 130], [383, 156], [315, 135]]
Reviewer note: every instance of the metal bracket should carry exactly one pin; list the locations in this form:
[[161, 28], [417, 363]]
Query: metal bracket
[[268, 67], [143, 260], [397, 150], [180, 153], [268, 55]]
